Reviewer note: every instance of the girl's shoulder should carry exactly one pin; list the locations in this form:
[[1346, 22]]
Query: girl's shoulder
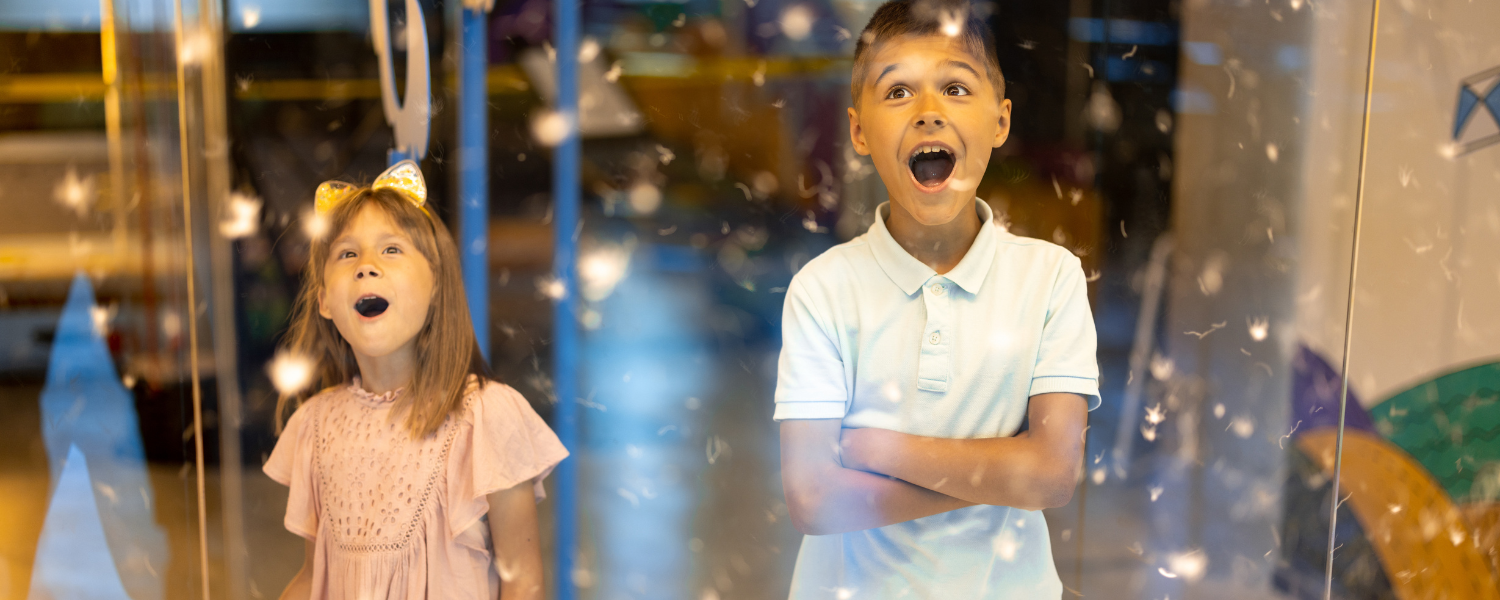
[[331, 391], [489, 398], [485, 390], [317, 400]]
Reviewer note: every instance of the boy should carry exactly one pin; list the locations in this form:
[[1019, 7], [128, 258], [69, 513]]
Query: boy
[[913, 353]]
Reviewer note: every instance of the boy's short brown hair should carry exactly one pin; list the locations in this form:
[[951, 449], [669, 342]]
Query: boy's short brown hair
[[926, 17]]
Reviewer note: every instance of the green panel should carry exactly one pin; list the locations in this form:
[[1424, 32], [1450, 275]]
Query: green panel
[[1451, 425]]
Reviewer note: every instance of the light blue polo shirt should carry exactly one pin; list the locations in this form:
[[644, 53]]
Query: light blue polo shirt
[[876, 338]]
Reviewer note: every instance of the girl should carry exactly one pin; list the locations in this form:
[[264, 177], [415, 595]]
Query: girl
[[413, 475]]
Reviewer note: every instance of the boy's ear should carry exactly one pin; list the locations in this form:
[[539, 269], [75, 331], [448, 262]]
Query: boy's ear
[[1002, 132], [856, 134]]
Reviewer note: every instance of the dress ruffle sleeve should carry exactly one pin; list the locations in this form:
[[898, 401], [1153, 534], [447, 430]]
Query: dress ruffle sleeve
[[502, 442], [291, 465]]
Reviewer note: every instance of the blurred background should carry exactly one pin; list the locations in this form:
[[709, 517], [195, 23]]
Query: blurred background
[[1201, 157]]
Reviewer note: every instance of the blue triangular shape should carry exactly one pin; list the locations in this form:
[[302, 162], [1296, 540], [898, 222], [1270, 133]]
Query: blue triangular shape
[[87, 411], [72, 556], [1492, 102], [1467, 100], [77, 350]]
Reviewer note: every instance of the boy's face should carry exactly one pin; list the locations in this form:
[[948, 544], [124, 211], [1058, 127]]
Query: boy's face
[[377, 285], [929, 117]]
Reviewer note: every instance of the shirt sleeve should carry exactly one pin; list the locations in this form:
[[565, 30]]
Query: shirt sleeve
[[1066, 361], [503, 443], [291, 465], [810, 373]]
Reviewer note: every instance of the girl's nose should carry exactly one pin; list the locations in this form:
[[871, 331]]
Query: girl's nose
[[366, 271]]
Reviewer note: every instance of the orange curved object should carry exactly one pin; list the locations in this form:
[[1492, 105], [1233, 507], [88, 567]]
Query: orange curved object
[[1428, 548]]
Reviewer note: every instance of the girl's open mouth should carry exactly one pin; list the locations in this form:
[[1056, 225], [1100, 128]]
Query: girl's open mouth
[[931, 165], [371, 306]]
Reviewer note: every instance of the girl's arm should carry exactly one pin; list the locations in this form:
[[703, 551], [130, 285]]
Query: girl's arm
[[301, 585], [1032, 471], [518, 550]]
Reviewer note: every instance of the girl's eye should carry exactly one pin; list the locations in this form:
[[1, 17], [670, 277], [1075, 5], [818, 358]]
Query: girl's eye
[[392, 250], [898, 93], [958, 90], [346, 254]]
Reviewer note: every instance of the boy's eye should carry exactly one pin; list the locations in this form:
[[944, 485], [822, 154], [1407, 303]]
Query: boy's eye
[[346, 254], [958, 90], [392, 250], [898, 93]]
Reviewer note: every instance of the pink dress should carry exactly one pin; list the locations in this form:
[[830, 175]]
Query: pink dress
[[392, 517]]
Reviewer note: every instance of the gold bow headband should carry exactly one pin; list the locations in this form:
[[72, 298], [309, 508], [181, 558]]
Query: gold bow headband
[[404, 177]]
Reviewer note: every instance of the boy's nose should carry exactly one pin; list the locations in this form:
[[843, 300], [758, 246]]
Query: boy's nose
[[366, 271], [930, 119]]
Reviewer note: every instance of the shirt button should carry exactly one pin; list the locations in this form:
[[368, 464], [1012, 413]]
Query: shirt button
[[934, 338], [938, 289]]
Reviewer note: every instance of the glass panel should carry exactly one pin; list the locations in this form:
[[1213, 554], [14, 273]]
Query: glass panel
[[1196, 488], [100, 456], [1420, 460], [1198, 159]]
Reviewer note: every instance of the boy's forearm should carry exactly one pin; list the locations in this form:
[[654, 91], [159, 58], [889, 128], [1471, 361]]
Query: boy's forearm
[[854, 500], [1011, 471]]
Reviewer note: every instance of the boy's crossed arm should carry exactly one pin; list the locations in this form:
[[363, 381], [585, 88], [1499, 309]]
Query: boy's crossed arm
[[1033, 470], [841, 480], [824, 497]]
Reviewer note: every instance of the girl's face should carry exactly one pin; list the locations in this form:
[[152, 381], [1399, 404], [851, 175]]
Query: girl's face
[[376, 285]]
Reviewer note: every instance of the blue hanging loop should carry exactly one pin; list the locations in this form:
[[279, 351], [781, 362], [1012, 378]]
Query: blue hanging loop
[[411, 118]]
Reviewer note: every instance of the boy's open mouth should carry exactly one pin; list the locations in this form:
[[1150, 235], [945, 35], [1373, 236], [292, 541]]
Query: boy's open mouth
[[371, 306], [931, 165]]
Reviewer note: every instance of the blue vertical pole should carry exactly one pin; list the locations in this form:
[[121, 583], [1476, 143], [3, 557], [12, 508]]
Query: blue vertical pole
[[473, 176], [565, 192]]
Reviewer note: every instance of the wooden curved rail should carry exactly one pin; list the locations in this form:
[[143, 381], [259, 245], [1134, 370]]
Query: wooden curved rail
[[1429, 550]]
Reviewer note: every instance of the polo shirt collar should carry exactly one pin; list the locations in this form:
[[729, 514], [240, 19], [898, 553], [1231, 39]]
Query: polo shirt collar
[[910, 274]]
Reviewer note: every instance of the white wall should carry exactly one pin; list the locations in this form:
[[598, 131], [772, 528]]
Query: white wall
[[1428, 295]]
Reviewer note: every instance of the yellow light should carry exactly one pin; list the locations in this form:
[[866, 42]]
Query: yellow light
[[290, 372], [241, 216], [600, 270], [550, 128], [74, 192], [250, 16], [314, 224], [952, 23], [797, 22], [1259, 327]]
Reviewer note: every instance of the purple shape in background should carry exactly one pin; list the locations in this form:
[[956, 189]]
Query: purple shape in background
[[1315, 395]]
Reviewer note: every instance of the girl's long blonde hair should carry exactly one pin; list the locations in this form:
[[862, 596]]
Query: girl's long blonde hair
[[447, 352]]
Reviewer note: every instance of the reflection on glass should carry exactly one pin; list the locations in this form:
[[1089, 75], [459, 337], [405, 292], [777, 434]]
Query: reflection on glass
[[91, 430], [1419, 456], [99, 450], [1199, 159]]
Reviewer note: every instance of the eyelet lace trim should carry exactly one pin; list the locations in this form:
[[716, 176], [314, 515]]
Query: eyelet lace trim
[[419, 509]]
